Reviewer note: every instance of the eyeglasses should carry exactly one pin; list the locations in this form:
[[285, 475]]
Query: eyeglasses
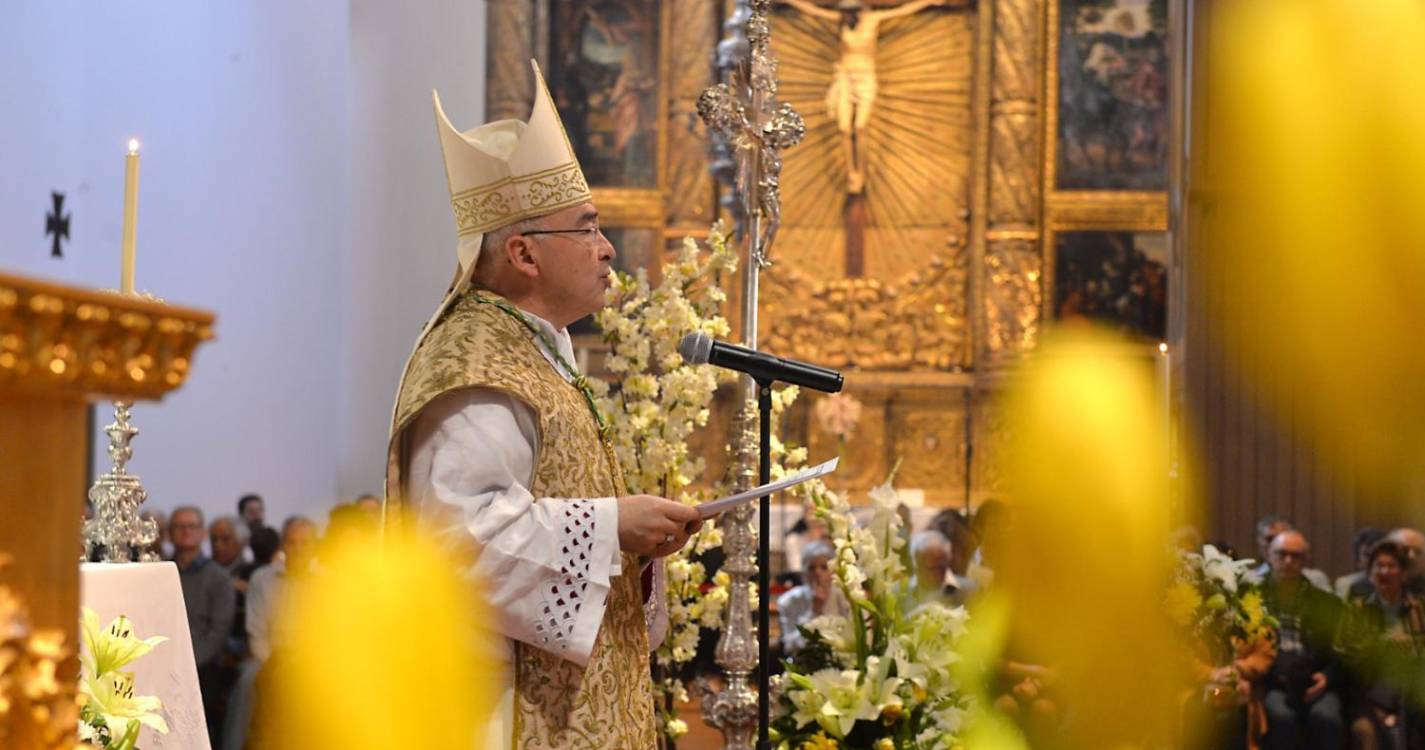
[[587, 233]]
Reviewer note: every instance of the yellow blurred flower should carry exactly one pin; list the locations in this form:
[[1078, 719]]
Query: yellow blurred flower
[[1321, 244], [820, 742], [1183, 601], [1256, 613], [1087, 463], [387, 650]]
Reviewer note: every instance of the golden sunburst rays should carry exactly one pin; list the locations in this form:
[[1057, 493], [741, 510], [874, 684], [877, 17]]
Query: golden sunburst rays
[[917, 143]]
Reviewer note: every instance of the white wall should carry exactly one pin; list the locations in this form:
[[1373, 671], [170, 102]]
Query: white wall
[[291, 182], [402, 252], [242, 110]]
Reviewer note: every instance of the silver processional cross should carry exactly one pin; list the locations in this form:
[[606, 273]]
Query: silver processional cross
[[750, 127]]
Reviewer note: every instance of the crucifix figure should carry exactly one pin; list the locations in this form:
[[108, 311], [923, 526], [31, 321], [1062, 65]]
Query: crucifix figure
[[852, 95], [851, 99]]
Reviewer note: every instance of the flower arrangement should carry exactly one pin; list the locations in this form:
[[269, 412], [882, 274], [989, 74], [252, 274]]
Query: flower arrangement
[[110, 715], [881, 677], [652, 408], [1216, 599]]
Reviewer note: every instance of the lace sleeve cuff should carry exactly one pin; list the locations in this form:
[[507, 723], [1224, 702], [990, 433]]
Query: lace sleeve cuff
[[571, 610], [606, 546]]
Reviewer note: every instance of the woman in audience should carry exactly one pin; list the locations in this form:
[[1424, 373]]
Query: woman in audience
[[1357, 583], [808, 530], [1385, 643], [818, 596]]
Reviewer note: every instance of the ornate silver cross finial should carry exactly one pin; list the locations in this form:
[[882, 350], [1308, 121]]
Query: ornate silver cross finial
[[743, 114]]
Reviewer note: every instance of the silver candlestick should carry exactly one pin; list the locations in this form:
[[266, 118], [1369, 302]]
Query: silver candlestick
[[116, 528], [749, 130]]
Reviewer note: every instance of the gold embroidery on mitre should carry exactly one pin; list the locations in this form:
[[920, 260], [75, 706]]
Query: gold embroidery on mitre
[[506, 171], [512, 199], [481, 212], [565, 188]]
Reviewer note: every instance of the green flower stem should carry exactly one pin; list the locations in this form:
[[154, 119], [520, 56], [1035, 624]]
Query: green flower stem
[[859, 631], [130, 739]]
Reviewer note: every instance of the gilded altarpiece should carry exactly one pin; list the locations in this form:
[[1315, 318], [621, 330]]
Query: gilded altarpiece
[[917, 239]]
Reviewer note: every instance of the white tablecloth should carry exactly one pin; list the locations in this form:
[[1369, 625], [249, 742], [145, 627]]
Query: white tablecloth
[[150, 596]]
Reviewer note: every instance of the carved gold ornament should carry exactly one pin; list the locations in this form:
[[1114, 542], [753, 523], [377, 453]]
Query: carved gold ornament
[[917, 323], [37, 707], [57, 338]]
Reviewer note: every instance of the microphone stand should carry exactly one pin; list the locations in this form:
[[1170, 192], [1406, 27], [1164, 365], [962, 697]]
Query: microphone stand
[[764, 565]]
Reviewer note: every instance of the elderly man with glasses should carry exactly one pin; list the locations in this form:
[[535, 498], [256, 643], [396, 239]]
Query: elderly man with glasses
[[1303, 691]]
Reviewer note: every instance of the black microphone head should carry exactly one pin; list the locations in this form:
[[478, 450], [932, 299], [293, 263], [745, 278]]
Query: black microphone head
[[696, 348]]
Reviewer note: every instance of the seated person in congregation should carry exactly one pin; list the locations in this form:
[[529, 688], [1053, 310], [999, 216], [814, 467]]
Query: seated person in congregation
[[1383, 641], [818, 596]]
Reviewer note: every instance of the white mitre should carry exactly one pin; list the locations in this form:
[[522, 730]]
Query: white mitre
[[500, 173], [506, 171]]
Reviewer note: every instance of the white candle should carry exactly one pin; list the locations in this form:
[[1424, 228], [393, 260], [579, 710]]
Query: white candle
[[131, 217], [1164, 367]]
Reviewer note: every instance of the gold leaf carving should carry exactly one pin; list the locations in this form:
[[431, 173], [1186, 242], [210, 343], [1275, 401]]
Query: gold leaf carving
[[919, 323], [1014, 170], [1017, 67], [1012, 262], [62, 339], [1013, 296], [991, 437], [930, 436]]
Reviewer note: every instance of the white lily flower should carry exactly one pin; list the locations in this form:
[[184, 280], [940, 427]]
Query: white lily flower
[[847, 701], [113, 647], [111, 696]]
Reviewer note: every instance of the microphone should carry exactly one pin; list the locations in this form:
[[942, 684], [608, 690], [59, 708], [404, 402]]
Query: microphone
[[698, 348]]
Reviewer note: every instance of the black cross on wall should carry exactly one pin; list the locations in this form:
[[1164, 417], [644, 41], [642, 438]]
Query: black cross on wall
[[57, 224]]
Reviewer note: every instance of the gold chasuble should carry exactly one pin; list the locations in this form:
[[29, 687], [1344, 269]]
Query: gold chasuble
[[607, 705]]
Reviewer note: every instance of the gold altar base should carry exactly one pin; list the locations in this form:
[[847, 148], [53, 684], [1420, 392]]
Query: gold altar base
[[61, 348], [917, 420]]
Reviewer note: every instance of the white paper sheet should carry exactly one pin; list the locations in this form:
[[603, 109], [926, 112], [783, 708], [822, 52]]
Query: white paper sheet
[[714, 507]]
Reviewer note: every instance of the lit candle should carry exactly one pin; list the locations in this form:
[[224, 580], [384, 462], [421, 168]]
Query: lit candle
[[131, 216], [1164, 367], [1164, 375]]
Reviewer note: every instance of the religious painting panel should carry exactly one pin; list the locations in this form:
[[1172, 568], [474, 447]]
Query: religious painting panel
[[1112, 91], [1118, 279], [604, 76]]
